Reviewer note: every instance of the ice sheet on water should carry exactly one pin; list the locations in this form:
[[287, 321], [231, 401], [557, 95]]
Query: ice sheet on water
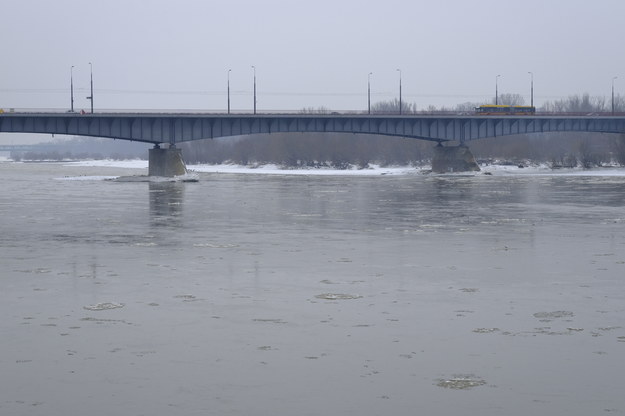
[[215, 245], [87, 178], [337, 296], [485, 330], [461, 382], [103, 306], [270, 169], [372, 170], [553, 315], [129, 164], [546, 170]]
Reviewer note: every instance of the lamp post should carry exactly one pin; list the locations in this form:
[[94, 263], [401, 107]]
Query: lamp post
[[532, 88], [229, 90], [71, 87], [369, 92], [91, 96], [613, 94], [399, 70], [496, 90], [254, 68]]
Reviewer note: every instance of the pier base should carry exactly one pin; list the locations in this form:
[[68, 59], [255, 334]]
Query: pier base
[[453, 159], [166, 162]]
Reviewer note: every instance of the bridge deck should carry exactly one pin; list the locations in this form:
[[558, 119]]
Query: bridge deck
[[179, 127]]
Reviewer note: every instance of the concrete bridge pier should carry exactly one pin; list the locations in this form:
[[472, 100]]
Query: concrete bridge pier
[[453, 159], [166, 162]]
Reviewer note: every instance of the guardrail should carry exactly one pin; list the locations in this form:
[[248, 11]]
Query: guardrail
[[302, 112]]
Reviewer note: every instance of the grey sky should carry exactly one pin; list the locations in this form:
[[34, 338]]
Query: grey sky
[[156, 54]]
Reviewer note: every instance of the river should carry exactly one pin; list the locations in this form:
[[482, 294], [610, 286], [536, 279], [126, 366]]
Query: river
[[251, 293]]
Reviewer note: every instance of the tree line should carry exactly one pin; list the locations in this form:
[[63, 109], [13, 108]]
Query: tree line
[[298, 150]]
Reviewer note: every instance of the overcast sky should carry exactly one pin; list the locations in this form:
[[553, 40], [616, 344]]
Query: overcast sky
[[156, 54]]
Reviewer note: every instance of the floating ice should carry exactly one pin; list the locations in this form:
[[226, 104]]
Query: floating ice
[[273, 321], [485, 330], [553, 315], [213, 245], [270, 169], [87, 178], [337, 296], [103, 306], [461, 382]]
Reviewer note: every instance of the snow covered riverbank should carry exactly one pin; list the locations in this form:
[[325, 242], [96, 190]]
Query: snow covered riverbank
[[372, 170]]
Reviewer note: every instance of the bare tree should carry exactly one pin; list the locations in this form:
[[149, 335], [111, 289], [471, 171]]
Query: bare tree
[[468, 106], [618, 149], [318, 110], [619, 103], [577, 104], [510, 99], [392, 107]]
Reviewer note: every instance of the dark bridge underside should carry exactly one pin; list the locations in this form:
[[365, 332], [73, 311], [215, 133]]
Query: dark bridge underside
[[176, 128]]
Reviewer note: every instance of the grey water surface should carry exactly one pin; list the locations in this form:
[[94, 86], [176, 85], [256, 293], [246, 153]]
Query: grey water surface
[[247, 294]]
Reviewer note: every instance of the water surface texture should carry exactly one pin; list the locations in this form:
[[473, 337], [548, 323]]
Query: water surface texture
[[252, 294]]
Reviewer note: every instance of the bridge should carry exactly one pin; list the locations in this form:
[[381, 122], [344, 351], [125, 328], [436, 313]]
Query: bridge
[[173, 128]]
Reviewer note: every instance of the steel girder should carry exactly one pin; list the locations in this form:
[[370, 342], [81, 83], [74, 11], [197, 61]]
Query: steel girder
[[175, 128]]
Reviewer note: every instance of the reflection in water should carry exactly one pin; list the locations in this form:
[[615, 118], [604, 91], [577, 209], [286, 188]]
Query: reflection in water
[[166, 203]]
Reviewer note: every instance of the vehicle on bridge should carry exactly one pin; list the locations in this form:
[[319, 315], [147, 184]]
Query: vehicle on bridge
[[492, 109]]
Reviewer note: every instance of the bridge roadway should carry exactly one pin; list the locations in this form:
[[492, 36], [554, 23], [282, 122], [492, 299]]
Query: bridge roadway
[[174, 128]]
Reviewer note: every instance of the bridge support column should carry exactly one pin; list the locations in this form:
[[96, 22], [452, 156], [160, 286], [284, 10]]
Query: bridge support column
[[453, 159], [166, 162]]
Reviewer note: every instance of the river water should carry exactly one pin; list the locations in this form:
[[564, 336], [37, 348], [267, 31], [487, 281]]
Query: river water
[[248, 294]]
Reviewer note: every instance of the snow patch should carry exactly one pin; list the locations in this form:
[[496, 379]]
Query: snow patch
[[272, 169], [372, 170], [127, 164]]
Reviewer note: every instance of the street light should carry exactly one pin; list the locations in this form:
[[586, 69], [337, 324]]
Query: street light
[[496, 90], [71, 86], [369, 92], [399, 70], [229, 90], [532, 89], [253, 67], [91, 96], [613, 94]]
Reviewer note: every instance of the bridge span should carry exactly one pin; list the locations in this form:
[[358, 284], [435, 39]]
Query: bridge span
[[174, 128]]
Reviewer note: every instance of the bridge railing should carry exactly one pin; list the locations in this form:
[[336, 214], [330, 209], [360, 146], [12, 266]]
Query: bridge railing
[[304, 112]]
